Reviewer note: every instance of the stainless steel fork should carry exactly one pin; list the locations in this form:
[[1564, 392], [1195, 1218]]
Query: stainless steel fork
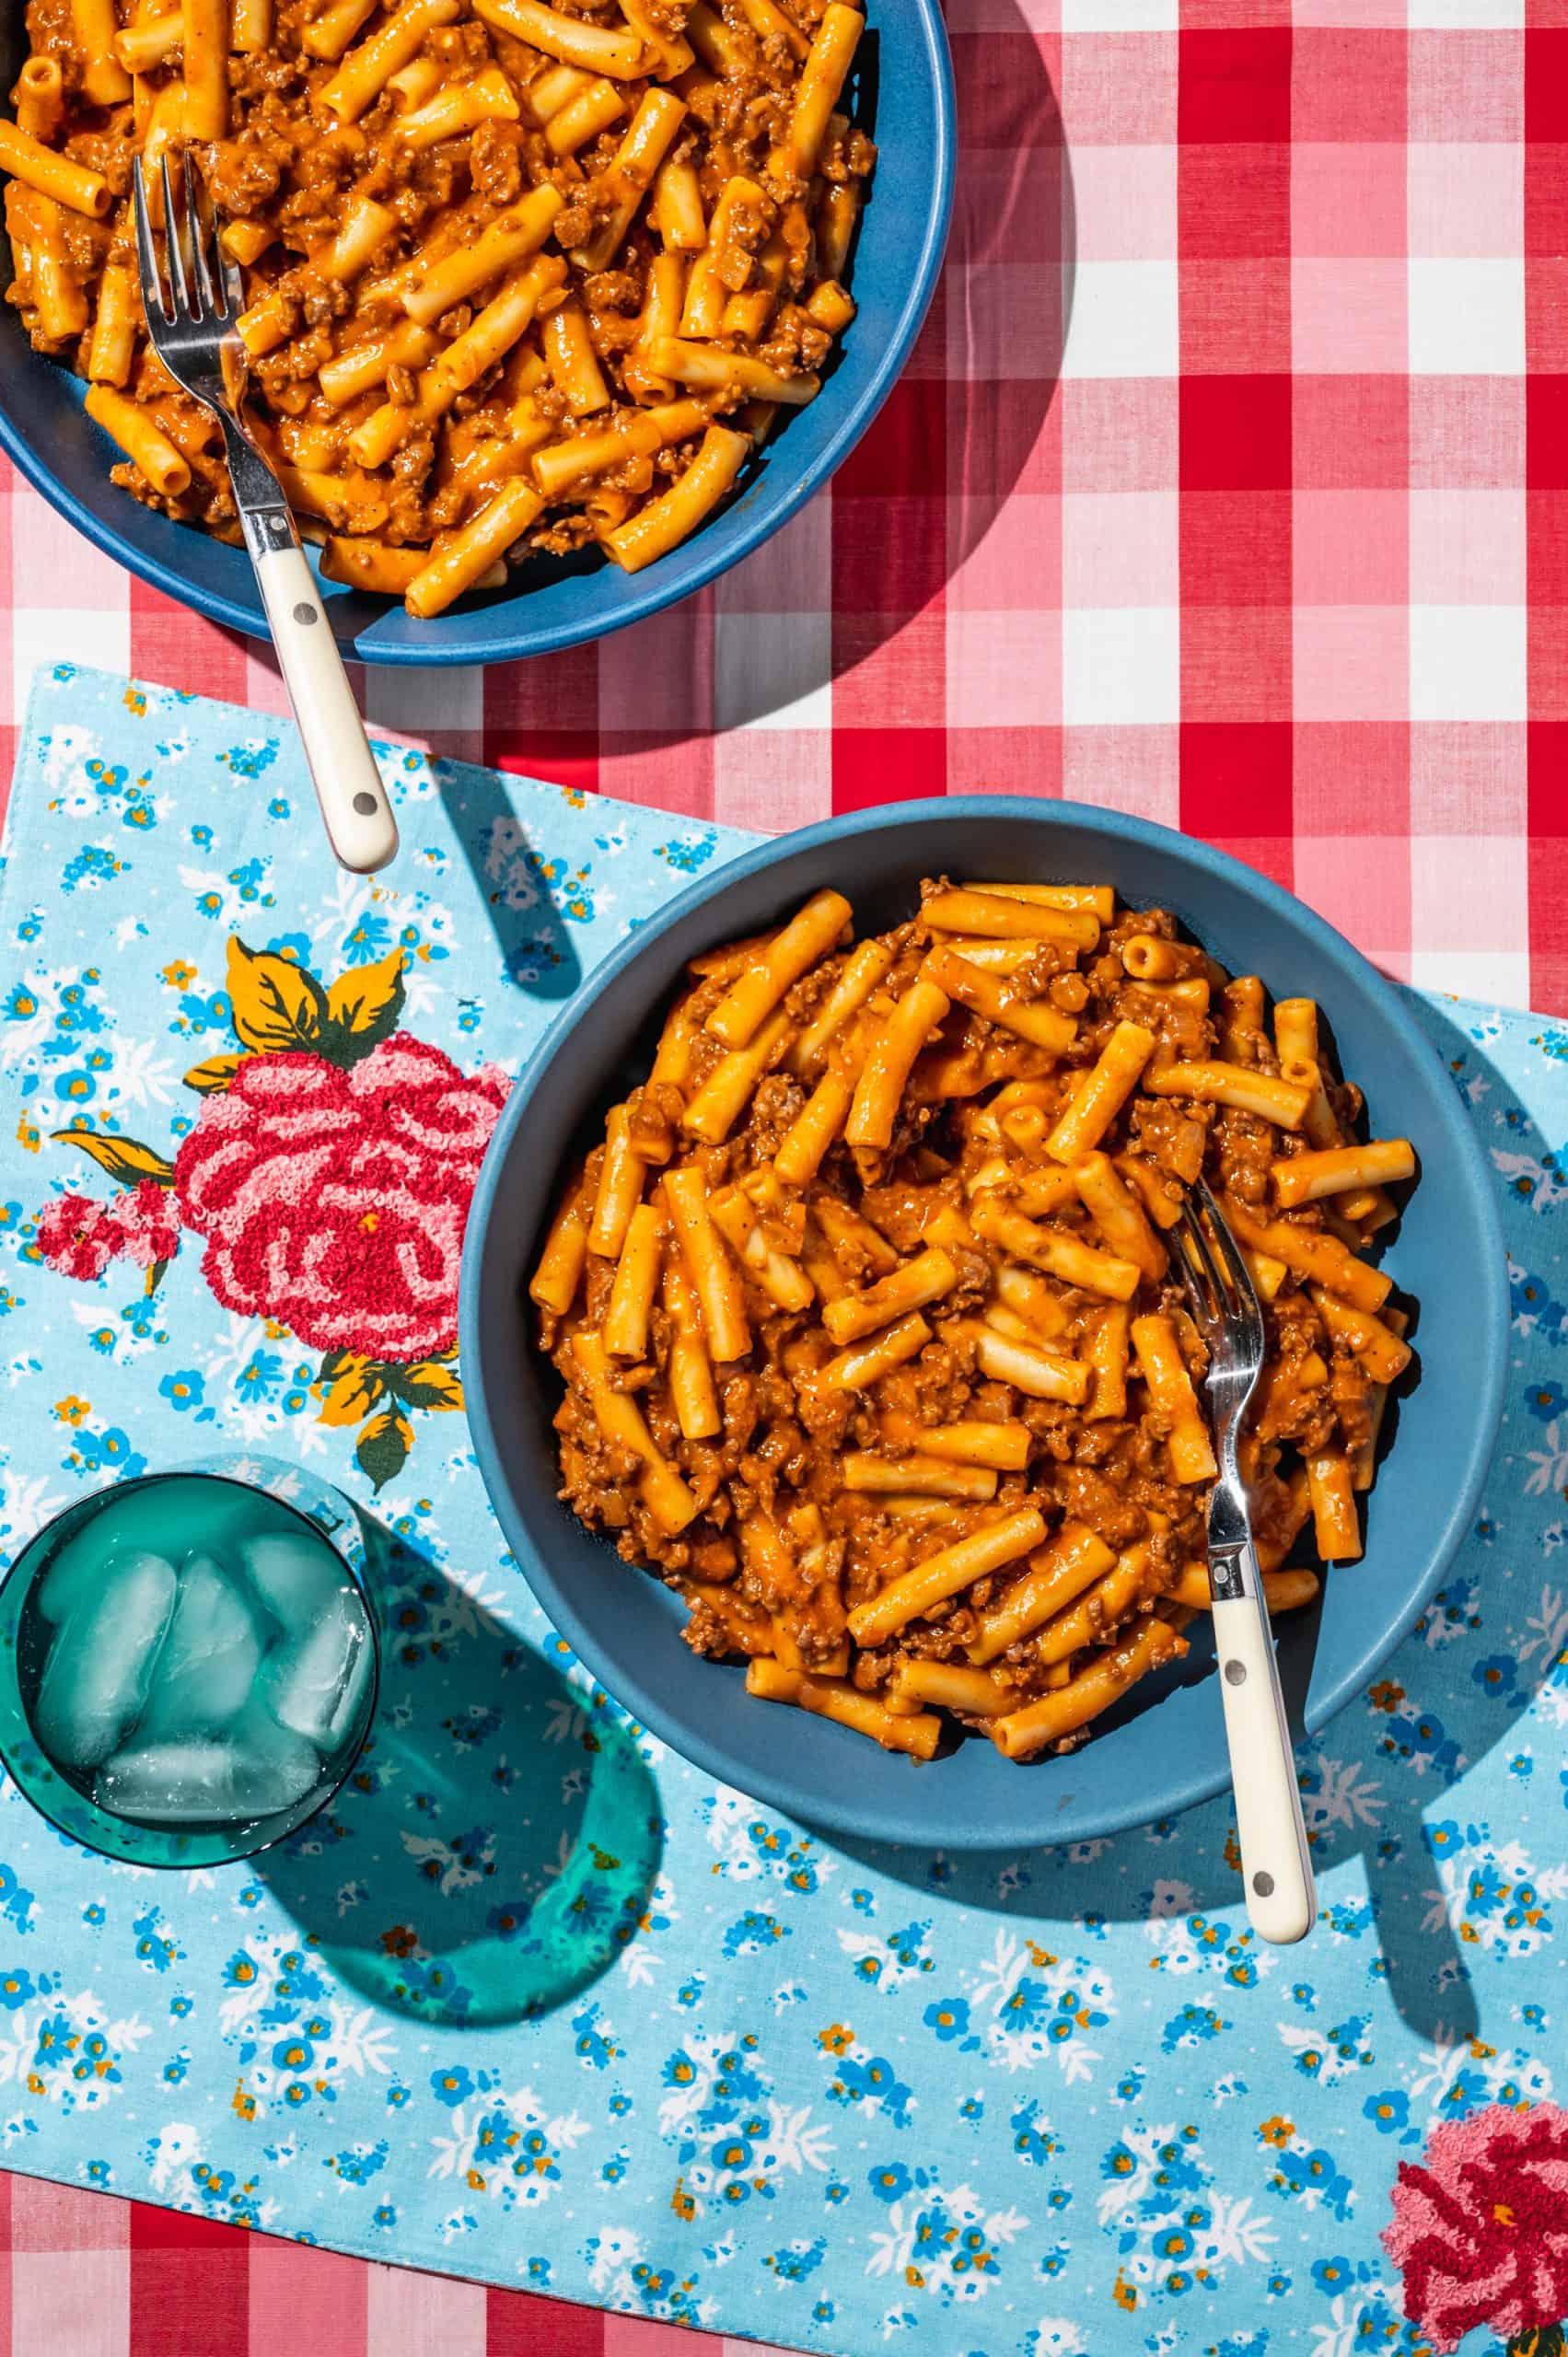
[[1276, 1866], [192, 323]]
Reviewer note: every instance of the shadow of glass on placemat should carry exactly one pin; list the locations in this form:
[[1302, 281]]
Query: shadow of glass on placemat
[[1376, 1781], [493, 1850]]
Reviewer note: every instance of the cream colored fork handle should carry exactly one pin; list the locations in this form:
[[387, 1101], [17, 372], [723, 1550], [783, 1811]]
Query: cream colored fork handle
[[355, 809], [1276, 1866]]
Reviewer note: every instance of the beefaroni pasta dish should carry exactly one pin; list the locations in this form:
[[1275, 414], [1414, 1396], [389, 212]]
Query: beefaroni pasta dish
[[518, 277], [871, 1340]]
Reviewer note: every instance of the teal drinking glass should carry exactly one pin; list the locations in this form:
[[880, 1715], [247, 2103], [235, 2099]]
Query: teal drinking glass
[[189, 1662]]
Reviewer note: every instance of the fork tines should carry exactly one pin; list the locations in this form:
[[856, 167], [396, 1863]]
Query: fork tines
[[203, 286], [1217, 1279]]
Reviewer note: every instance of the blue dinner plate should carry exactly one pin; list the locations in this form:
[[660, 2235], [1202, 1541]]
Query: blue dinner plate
[[1164, 1747], [901, 89]]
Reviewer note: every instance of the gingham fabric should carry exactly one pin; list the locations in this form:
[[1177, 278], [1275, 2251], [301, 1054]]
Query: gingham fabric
[[1228, 486], [82, 2275]]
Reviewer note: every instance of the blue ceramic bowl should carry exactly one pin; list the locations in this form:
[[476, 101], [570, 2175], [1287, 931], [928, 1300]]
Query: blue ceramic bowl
[[903, 92], [1163, 1748]]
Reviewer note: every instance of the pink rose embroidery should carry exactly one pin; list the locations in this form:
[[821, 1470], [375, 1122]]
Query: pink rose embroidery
[[1481, 2226], [335, 1202]]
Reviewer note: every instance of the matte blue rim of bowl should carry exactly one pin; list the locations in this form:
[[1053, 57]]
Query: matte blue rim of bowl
[[215, 579], [1455, 1151]]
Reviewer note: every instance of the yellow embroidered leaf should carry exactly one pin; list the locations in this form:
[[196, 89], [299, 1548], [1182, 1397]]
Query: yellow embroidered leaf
[[355, 1387], [363, 1008], [277, 1003], [431, 1384], [218, 1071], [122, 1158]]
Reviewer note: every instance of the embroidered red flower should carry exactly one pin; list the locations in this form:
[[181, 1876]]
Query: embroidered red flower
[[150, 1222], [1481, 2226], [335, 1201], [79, 1236]]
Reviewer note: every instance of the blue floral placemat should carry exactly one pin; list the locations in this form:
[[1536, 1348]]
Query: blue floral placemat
[[535, 2002]]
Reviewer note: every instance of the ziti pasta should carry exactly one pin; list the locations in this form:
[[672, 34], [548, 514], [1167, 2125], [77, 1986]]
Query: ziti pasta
[[518, 278], [870, 1338]]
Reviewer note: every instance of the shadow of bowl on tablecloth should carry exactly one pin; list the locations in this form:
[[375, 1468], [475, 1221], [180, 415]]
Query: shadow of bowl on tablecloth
[[913, 502], [514, 881], [993, 344], [990, 351], [493, 1851], [1369, 1777]]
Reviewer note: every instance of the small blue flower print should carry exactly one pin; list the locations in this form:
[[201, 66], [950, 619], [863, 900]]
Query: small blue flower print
[[873, 2084], [16, 1903], [1033, 2139], [949, 2018], [259, 1378]]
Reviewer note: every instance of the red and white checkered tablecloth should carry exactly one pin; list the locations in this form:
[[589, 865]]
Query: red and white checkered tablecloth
[[1228, 485]]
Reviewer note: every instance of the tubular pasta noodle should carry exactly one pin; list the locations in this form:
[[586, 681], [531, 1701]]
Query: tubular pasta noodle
[[942, 1575], [1056, 1575], [205, 39], [134, 429], [865, 1364], [809, 934], [465, 556], [713, 1276], [997, 916], [621, 1421], [832, 1698], [1306, 1177], [1092, 1691], [1105, 1090], [1215, 1083], [637, 1281], [1170, 1391], [40, 99], [1055, 1252], [573, 40], [555, 1280], [915, 1285], [1100, 1607], [657, 526], [1331, 1489], [56, 176], [104, 80], [113, 343], [888, 1063], [1043, 1025], [826, 64]]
